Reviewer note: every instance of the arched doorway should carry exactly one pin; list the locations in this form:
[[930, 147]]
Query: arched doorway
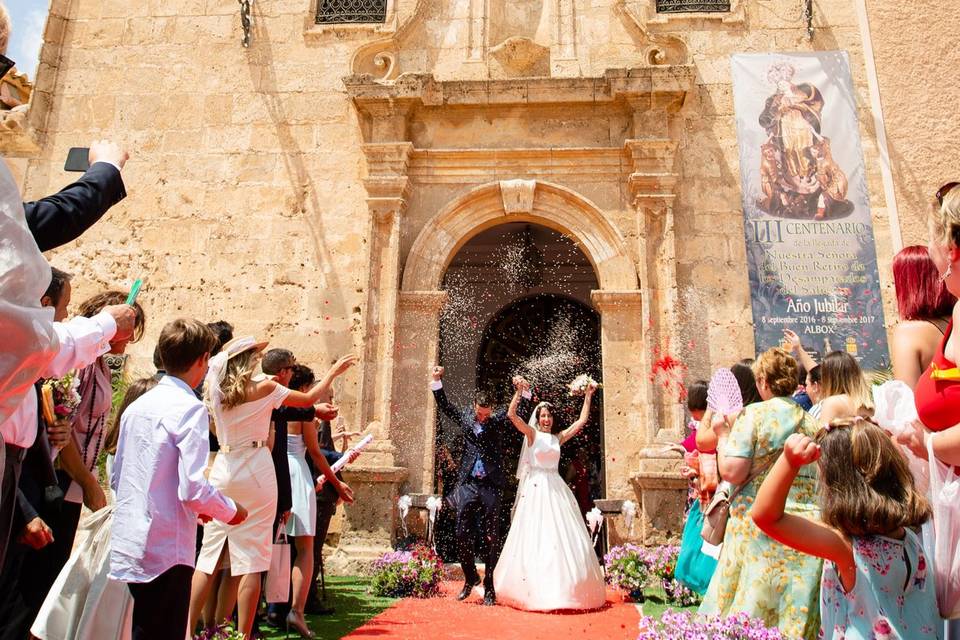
[[519, 303]]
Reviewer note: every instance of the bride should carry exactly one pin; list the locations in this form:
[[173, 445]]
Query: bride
[[547, 562]]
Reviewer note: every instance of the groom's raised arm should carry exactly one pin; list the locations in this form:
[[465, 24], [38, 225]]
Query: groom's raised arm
[[436, 385]]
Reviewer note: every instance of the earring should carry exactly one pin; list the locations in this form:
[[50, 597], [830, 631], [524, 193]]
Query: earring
[[947, 273]]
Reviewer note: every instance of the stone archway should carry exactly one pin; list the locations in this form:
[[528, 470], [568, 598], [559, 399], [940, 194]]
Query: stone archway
[[618, 300], [544, 203]]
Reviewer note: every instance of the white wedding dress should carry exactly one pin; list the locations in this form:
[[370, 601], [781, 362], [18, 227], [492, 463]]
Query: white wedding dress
[[547, 562]]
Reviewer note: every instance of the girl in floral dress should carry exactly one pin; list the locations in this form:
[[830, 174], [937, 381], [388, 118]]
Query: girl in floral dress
[[876, 581]]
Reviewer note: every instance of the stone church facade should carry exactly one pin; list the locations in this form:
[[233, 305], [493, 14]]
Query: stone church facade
[[314, 186]]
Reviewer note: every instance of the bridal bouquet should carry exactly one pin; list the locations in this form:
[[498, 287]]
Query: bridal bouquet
[[61, 396], [579, 385]]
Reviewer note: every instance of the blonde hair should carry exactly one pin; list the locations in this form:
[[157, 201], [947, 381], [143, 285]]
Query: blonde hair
[[5, 29], [841, 375], [779, 370], [946, 218], [240, 369]]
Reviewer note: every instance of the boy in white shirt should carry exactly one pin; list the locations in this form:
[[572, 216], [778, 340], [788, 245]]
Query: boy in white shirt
[[158, 477]]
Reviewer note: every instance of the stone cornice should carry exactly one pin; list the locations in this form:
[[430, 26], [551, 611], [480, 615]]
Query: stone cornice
[[630, 300], [423, 301], [613, 85]]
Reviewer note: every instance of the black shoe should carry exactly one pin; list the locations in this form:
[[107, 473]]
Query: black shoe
[[274, 620], [489, 597], [467, 590]]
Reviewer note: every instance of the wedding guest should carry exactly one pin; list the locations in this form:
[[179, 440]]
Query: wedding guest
[[750, 561], [302, 439], [80, 342], [878, 581], [937, 393], [82, 601], [158, 477], [38, 502], [924, 305], [244, 469], [327, 501], [844, 391], [78, 477]]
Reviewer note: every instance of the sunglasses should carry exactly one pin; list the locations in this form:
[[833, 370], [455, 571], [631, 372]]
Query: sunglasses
[[5, 65], [944, 190]]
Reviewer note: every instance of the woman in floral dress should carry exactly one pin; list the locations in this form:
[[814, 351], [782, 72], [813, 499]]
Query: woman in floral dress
[[756, 574]]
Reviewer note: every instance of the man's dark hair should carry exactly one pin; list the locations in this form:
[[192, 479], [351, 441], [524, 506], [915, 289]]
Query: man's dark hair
[[223, 330], [697, 395], [483, 399], [157, 362], [801, 374], [58, 280], [302, 375], [182, 342], [276, 359]]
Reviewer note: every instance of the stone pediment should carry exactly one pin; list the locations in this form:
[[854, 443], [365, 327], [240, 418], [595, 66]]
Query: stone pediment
[[490, 39]]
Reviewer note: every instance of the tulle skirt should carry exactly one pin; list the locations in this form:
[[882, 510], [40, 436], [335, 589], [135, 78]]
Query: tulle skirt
[[548, 562]]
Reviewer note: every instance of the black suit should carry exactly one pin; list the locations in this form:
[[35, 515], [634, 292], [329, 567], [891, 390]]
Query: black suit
[[476, 496], [64, 216]]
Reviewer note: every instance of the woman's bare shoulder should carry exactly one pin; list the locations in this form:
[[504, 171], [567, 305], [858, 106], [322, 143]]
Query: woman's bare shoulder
[[260, 389]]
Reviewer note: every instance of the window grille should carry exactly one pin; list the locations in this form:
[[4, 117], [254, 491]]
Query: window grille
[[686, 6], [351, 11]]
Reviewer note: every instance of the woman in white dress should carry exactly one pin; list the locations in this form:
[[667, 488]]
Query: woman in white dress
[[548, 562], [243, 470]]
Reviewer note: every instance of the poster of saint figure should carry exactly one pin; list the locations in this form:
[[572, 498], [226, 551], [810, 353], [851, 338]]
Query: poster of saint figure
[[809, 235]]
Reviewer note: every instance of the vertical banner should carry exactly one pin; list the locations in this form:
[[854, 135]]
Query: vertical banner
[[810, 247]]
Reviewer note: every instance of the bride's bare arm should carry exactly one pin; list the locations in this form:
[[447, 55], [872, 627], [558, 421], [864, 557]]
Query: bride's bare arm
[[518, 422], [575, 428]]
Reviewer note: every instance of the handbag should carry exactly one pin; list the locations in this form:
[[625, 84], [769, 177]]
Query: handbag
[[945, 503], [718, 511], [277, 588]]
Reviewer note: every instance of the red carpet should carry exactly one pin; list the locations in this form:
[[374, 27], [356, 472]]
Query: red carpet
[[445, 617]]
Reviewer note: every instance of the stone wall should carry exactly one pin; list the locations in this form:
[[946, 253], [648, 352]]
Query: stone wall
[[257, 194]]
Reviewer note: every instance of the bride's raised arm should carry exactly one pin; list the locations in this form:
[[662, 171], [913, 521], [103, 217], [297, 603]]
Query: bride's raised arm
[[517, 421], [574, 429]]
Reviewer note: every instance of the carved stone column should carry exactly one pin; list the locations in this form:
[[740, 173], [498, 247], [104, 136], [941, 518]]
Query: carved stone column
[[412, 422], [625, 410], [387, 186], [652, 185]]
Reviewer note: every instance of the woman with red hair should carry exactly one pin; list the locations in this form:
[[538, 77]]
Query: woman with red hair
[[924, 305]]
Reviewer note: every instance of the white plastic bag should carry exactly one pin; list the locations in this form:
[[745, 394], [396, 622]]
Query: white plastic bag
[[895, 412], [945, 501], [278, 578]]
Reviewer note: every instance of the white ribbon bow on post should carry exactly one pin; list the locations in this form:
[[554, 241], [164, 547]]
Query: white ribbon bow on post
[[404, 502], [595, 520], [629, 512], [433, 505]]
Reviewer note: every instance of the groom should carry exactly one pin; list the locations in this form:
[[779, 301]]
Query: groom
[[480, 482]]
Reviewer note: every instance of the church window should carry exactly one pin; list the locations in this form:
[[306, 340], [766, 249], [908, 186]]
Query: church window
[[351, 11], [688, 6]]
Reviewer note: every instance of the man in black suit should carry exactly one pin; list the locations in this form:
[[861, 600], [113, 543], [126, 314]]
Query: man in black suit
[[64, 216], [480, 482]]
